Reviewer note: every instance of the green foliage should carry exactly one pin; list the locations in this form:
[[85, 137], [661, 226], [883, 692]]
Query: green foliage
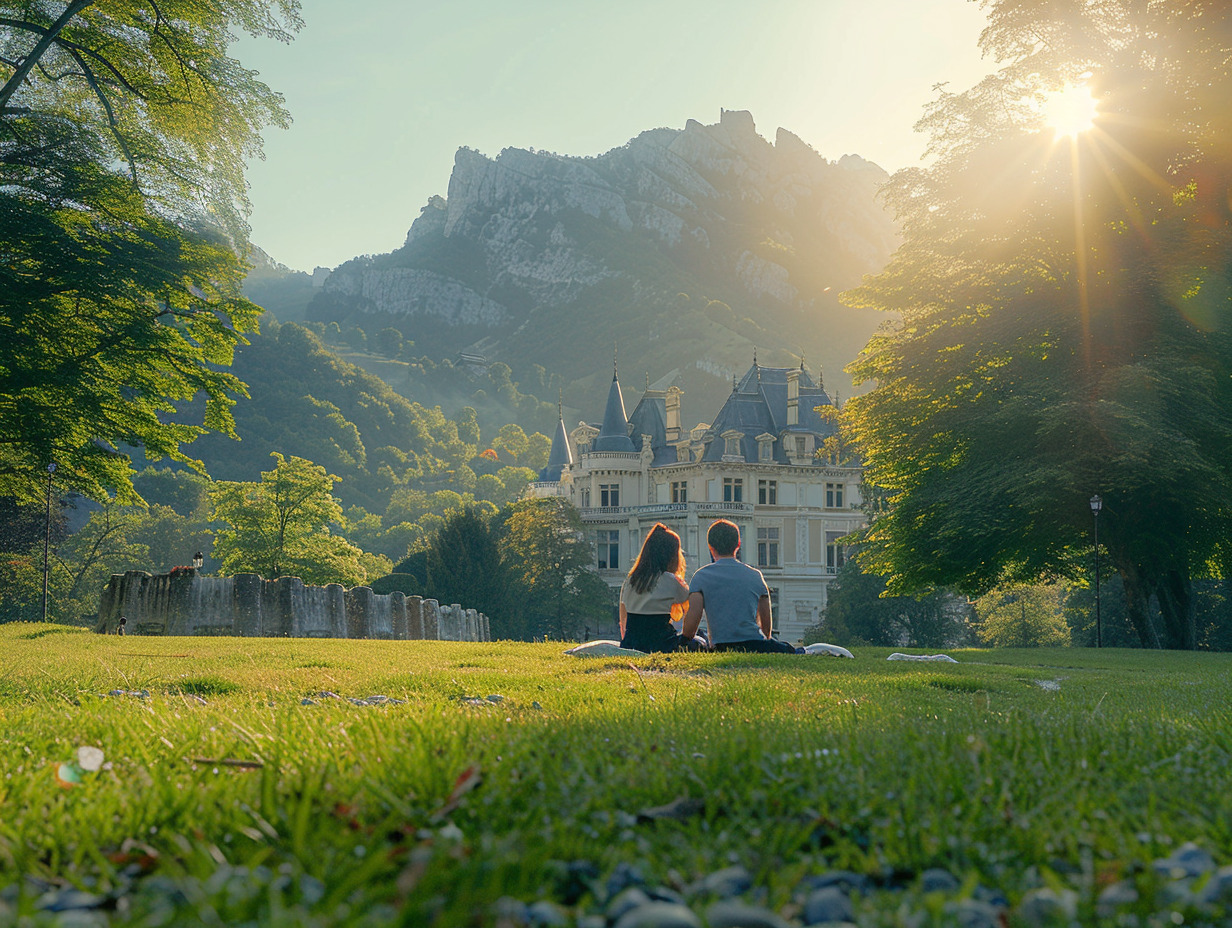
[[183, 491], [389, 342], [281, 527], [1060, 319], [1023, 617], [123, 138], [115, 538], [152, 97], [859, 611], [95, 359], [463, 564], [545, 552], [527, 567], [396, 459], [492, 394]]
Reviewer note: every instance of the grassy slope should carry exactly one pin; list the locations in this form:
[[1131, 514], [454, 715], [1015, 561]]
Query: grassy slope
[[885, 768]]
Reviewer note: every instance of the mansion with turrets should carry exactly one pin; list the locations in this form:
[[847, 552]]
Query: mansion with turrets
[[761, 463]]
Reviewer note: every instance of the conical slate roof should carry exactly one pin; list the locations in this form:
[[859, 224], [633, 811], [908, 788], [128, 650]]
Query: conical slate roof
[[559, 457], [614, 434]]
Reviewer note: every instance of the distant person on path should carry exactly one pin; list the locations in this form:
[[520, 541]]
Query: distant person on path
[[123, 623], [735, 598], [654, 594]]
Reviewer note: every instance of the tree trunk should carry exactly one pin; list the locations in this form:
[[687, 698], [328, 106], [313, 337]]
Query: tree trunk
[[1137, 605], [1176, 604]]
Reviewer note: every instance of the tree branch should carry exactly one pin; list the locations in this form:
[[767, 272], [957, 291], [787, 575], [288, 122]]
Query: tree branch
[[40, 48], [111, 119]]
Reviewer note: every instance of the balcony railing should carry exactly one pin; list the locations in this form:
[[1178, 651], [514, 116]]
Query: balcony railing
[[670, 510]]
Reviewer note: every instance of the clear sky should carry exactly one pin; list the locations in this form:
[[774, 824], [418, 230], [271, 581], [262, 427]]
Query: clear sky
[[383, 92]]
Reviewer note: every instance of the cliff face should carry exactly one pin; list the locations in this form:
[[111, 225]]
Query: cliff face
[[686, 247]]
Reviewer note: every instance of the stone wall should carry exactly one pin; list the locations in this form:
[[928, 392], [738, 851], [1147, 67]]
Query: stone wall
[[186, 603]]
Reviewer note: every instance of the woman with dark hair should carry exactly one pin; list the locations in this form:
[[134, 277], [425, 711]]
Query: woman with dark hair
[[654, 594]]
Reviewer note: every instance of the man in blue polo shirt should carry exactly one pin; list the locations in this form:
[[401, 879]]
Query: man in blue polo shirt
[[735, 598]]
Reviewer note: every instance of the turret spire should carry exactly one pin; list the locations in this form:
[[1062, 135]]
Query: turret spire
[[560, 455], [614, 434]]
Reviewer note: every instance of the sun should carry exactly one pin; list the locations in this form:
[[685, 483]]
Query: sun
[[1069, 111]]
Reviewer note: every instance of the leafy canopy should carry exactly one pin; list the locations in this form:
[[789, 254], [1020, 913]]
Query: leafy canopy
[[1062, 310], [124, 128], [280, 526]]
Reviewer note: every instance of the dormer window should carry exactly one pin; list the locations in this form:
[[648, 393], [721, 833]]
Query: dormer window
[[765, 447], [731, 445]]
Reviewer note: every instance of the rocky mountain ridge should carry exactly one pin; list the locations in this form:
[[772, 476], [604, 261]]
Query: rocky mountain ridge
[[686, 247]]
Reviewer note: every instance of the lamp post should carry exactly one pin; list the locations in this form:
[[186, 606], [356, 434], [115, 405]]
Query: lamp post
[[51, 469], [198, 560], [1096, 505]]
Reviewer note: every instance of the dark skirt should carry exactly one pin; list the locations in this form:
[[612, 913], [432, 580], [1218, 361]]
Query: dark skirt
[[650, 633], [760, 646]]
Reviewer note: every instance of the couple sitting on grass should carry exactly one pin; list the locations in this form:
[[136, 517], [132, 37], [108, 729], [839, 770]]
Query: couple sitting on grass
[[734, 596]]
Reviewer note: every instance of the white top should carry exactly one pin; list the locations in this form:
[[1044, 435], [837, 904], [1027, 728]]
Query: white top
[[667, 592]]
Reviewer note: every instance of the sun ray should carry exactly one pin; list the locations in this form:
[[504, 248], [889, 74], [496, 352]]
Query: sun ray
[[1145, 170], [1080, 251]]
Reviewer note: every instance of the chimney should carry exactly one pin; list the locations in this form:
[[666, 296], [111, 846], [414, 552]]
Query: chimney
[[672, 402], [793, 397]]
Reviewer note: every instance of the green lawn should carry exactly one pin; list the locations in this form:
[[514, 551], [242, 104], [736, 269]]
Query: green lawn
[[431, 810]]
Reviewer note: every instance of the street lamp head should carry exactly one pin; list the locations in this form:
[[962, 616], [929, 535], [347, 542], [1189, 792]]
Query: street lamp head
[[1096, 503], [198, 560], [51, 467]]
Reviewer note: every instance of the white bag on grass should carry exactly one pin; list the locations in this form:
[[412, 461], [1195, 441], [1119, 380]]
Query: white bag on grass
[[921, 657], [603, 647], [833, 650]]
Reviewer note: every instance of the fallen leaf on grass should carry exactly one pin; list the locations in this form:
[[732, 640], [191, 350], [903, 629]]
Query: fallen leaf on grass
[[135, 853], [467, 780], [678, 810]]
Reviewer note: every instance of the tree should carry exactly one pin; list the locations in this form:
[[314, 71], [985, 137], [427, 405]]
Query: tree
[[106, 545], [389, 342], [1059, 309], [464, 565], [280, 526], [124, 129], [858, 611], [545, 552], [183, 491], [511, 442], [1023, 617]]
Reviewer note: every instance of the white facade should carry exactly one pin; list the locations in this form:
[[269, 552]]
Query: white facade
[[791, 507]]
